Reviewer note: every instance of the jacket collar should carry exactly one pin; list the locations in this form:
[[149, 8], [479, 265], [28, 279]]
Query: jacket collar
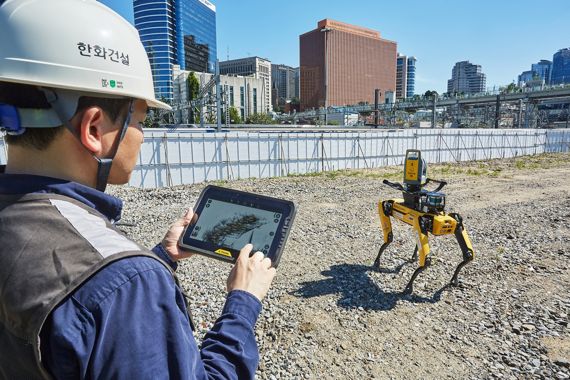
[[106, 204]]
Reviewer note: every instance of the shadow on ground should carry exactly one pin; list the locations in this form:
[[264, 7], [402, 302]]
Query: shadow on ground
[[356, 289]]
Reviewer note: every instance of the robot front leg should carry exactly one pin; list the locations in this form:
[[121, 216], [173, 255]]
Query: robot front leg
[[414, 255], [422, 248], [410, 287], [384, 209], [464, 244], [382, 249]]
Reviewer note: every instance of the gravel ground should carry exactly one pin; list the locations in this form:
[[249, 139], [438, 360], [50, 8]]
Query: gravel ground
[[330, 315]]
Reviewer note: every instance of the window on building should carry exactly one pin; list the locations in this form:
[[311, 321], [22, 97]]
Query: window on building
[[255, 100], [231, 96], [241, 96]]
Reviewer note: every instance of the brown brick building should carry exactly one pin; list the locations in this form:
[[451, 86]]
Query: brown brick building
[[342, 64]]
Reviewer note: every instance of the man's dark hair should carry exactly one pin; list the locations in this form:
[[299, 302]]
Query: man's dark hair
[[27, 96]]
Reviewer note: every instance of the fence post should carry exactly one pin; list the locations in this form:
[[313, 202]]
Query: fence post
[[322, 152], [168, 175]]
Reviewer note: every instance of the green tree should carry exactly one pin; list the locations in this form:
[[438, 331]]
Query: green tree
[[260, 118], [193, 86], [234, 116], [211, 118], [155, 117], [149, 121], [430, 94], [512, 87]]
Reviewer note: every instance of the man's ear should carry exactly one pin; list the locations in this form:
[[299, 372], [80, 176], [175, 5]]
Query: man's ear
[[91, 128]]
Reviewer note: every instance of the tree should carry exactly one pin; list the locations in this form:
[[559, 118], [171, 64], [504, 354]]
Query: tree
[[211, 117], [512, 87], [193, 87], [430, 94], [260, 118], [155, 117], [234, 116]]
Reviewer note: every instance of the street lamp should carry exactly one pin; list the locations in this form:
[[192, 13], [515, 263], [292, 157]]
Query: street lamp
[[325, 31]]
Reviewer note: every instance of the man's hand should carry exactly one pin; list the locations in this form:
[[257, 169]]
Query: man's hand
[[251, 274], [170, 241]]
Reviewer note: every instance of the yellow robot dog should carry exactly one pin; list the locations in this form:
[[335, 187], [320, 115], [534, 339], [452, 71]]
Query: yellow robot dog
[[424, 211]]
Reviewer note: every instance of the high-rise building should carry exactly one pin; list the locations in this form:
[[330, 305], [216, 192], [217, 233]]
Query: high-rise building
[[561, 67], [411, 81], [539, 73], [525, 77], [466, 78], [255, 66], [342, 64], [543, 70], [176, 32], [405, 76], [285, 81]]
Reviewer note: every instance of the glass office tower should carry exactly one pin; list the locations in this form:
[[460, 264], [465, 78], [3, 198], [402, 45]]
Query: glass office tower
[[561, 67], [196, 30], [176, 32], [542, 69]]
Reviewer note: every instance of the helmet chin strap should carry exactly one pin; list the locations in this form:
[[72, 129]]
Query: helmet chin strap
[[103, 164]]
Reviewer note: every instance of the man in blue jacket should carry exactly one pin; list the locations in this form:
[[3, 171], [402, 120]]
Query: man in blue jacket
[[78, 299]]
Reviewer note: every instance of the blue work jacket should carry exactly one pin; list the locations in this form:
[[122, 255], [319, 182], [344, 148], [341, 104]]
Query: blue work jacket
[[129, 321]]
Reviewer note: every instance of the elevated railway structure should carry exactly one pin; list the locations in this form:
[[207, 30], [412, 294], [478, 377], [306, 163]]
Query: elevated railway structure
[[540, 108]]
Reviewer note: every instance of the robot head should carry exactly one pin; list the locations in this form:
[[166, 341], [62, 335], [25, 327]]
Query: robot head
[[415, 169]]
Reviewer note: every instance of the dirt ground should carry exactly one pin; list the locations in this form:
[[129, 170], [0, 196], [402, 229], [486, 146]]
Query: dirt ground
[[331, 315]]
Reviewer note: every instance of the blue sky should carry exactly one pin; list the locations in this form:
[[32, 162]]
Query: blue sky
[[503, 36]]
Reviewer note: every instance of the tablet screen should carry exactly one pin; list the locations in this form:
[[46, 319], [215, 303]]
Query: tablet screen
[[226, 220], [225, 224]]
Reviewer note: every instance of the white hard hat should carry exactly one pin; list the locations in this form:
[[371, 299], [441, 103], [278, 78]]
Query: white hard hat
[[76, 45]]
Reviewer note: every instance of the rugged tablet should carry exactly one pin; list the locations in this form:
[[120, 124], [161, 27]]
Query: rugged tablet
[[226, 220]]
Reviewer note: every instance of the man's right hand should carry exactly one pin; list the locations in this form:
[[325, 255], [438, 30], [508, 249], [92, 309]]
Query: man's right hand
[[251, 274]]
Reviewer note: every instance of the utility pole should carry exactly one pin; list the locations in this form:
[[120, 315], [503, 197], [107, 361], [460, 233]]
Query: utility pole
[[497, 111], [520, 113], [218, 97], [226, 104], [433, 109], [376, 100], [201, 103]]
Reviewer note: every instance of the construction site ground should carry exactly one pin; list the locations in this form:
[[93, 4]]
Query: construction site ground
[[331, 315]]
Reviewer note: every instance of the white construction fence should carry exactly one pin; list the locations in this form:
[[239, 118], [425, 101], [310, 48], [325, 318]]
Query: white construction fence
[[186, 156]]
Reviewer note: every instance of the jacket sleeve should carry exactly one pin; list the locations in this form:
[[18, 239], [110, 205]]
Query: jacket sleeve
[[232, 338], [131, 322]]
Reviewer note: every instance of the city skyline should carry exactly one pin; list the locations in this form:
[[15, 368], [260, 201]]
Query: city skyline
[[505, 38]]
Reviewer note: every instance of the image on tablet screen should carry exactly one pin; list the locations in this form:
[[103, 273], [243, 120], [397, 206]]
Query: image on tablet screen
[[232, 225]]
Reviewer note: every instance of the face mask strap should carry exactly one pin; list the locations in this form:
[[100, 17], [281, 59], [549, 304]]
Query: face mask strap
[[103, 164]]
